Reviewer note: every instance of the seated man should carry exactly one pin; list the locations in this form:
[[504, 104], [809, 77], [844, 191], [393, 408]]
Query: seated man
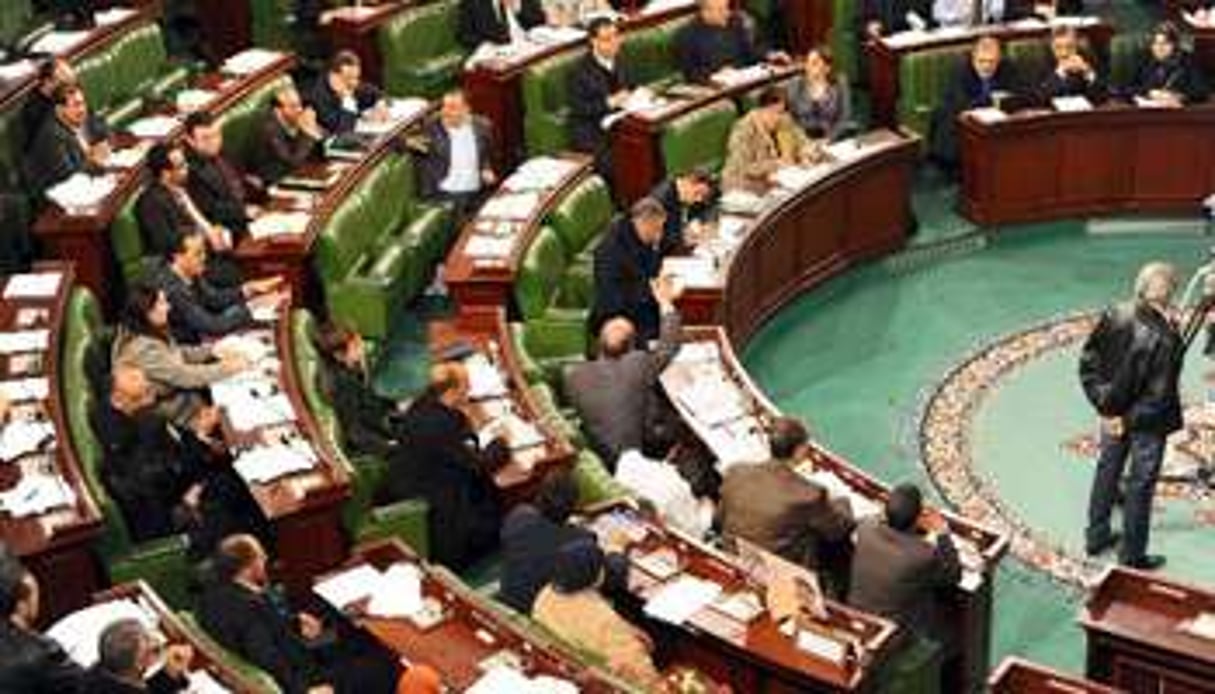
[[289, 136], [597, 87], [456, 165], [340, 97], [627, 261], [69, 142], [442, 461], [1071, 73], [496, 21], [40, 104], [885, 17], [125, 651], [688, 199], [897, 574], [366, 417], [1167, 73], [762, 142], [979, 82], [716, 39], [773, 506], [237, 609], [200, 309], [214, 184], [614, 394]]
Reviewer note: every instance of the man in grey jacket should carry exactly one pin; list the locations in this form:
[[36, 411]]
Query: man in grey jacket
[[615, 393]]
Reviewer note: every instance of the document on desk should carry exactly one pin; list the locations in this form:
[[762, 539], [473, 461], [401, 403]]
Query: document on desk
[[797, 177], [1071, 104], [58, 42], [24, 341], [272, 224], [539, 173], [692, 271], [487, 246], [21, 438], [348, 587], [36, 494], [79, 632], [683, 597], [822, 646], [251, 412], [113, 15], [17, 70], [516, 206], [33, 285], [742, 202], [190, 100], [81, 191], [1201, 626], [485, 381], [399, 593], [267, 463], [550, 35], [731, 77], [154, 127], [988, 115], [862, 506], [249, 61]]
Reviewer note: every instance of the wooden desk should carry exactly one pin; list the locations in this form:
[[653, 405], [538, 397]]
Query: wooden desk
[[637, 138], [472, 630], [808, 23], [480, 282], [750, 656], [495, 87], [355, 28], [176, 631], [1133, 622], [55, 545], [1112, 160], [82, 236], [1016, 676], [886, 54], [486, 332]]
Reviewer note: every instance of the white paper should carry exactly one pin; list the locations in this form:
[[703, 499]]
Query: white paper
[[1202, 626], [58, 42], [35, 494], [862, 507], [249, 413], [22, 438], [821, 646], [127, 158], [194, 99], [795, 177], [201, 682], [1071, 104], [514, 206], [249, 61], [24, 341], [19, 390], [658, 6], [81, 191], [266, 463], [254, 350], [79, 632], [555, 34], [486, 246], [399, 593], [730, 76], [484, 379], [154, 127], [33, 285], [276, 223], [741, 202], [692, 271], [113, 15], [348, 587], [683, 597], [539, 173], [17, 70], [988, 115]]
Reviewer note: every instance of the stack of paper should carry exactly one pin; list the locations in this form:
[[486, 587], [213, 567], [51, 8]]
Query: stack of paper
[[539, 173], [189, 100], [485, 246], [248, 61], [254, 412], [550, 35], [33, 285], [81, 191], [22, 438], [502, 680], [795, 177], [35, 494], [484, 379], [273, 224], [988, 115], [683, 597], [17, 70], [819, 645], [730, 77], [248, 345], [127, 158], [1202, 626], [741, 202], [79, 632], [393, 593], [58, 42], [25, 389], [692, 271], [24, 341], [516, 206], [201, 682], [154, 127], [266, 463], [112, 15], [1071, 104]]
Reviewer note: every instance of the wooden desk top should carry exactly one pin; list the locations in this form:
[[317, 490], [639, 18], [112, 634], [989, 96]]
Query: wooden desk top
[[760, 641], [175, 631], [365, 18], [684, 98], [54, 528], [1111, 113], [1017, 676], [910, 41], [472, 630], [487, 332], [1151, 610]]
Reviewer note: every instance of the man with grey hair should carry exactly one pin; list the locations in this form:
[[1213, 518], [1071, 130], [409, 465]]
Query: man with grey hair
[[626, 261], [1129, 367], [125, 651]]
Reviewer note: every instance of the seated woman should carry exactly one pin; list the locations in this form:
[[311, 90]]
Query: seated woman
[[1167, 73], [365, 416], [176, 373], [762, 142], [819, 99]]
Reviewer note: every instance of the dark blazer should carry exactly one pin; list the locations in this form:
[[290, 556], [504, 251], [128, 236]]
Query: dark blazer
[[161, 218], [217, 190], [31, 663], [1178, 74], [38, 109], [967, 91], [679, 214], [703, 49], [55, 153], [365, 416], [200, 309], [279, 152], [330, 113], [480, 21], [892, 14], [250, 625], [99, 681], [435, 161], [899, 575], [1072, 84], [529, 548], [440, 460], [590, 85], [623, 269]]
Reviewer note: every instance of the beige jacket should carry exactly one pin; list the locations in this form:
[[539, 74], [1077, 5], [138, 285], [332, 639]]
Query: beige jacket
[[752, 155], [175, 372]]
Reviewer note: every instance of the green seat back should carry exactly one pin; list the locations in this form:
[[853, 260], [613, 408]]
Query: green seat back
[[579, 217], [96, 76], [698, 138], [420, 53], [539, 275], [16, 17], [12, 148], [545, 102], [845, 44], [923, 78], [240, 121], [127, 241], [648, 55], [1126, 50], [243, 668], [270, 23]]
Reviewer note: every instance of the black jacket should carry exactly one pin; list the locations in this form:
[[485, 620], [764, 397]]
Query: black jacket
[[330, 113], [529, 548], [1072, 84], [200, 309], [278, 152], [99, 681], [1177, 74], [435, 162], [56, 153], [480, 21], [703, 50], [590, 85], [967, 91], [31, 663], [678, 214], [365, 416], [218, 191], [1130, 366], [623, 269], [37, 109], [161, 219]]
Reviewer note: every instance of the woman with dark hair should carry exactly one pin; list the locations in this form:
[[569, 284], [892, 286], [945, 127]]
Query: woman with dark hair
[[819, 99], [1167, 73], [177, 373]]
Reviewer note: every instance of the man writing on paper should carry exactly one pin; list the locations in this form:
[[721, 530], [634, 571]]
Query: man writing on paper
[[688, 199]]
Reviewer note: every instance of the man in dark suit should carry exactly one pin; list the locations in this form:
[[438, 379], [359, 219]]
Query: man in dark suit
[[214, 184], [70, 142], [239, 610], [716, 39], [455, 164], [688, 199], [366, 417], [773, 506], [597, 86], [40, 104], [1071, 73], [900, 574], [289, 136], [884, 17], [29, 661], [125, 651], [496, 21], [340, 97], [626, 262], [978, 84]]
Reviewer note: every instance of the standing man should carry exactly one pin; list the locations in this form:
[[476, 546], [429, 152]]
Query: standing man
[[1129, 367]]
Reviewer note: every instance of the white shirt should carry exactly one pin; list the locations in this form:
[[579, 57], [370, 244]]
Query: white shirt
[[661, 484], [517, 33], [962, 12], [463, 169]]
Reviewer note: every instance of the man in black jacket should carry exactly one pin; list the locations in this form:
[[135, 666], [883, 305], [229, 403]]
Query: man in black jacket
[[1072, 73], [70, 142], [597, 87], [1129, 368], [214, 184], [40, 104], [340, 97], [496, 21], [125, 651], [289, 136], [366, 418], [979, 81], [716, 39], [689, 200], [626, 261], [456, 165]]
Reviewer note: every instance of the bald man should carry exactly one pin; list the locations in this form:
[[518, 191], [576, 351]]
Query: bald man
[[978, 84], [442, 460], [615, 393]]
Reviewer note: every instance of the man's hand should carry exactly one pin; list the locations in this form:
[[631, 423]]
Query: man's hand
[[779, 58], [233, 363], [261, 286], [1164, 96], [99, 153], [488, 177], [617, 100], [206, 421], [1113, 427], [666, 290], [310, 627], [309, 125], [177, 659], [193, 497], [321, 689], [874, 29]]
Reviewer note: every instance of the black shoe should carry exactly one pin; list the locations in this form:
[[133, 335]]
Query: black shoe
[[1094, 549], [1148, 562]]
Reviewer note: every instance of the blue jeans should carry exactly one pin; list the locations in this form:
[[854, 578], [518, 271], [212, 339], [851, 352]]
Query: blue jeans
[[1146, 451]]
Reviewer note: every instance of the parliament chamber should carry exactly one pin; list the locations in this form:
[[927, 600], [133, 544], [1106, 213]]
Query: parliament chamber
[[417, 345]]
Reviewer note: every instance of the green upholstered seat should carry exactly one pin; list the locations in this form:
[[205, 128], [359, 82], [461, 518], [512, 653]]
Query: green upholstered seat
[[126, 240], [420, 53], [545, 103], [162, 562], [648, 55], [271, 23], [243, 668], [924, 76], [698, 138], [539, 277], [583, 212], [16, 18], [123, 78], [1126, 50], [844, 39]]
